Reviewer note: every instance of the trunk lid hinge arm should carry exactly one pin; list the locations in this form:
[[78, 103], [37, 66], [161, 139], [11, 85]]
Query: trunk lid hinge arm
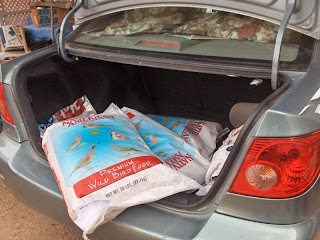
[[61, 39], [278, 44]]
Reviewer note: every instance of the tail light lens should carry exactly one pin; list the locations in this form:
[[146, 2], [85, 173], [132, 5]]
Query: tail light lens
[[5, 114], [279, 167]]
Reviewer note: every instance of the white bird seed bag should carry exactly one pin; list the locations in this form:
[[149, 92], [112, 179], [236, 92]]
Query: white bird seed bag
[[102, 167]]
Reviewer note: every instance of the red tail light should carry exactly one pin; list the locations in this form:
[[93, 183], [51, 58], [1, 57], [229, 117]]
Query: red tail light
[[5, 114], [279, 167]]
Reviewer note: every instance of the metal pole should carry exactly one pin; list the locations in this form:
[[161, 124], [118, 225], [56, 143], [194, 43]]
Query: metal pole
[[52, 29], [61, 39], [278, 44]]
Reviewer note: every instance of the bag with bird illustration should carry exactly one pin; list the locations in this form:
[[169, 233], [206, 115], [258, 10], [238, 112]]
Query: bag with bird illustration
[[201, 134], [169, 147], [102, 167], [80, 108]]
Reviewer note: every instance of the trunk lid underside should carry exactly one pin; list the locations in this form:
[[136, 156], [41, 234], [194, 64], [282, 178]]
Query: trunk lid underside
[[305, 18]]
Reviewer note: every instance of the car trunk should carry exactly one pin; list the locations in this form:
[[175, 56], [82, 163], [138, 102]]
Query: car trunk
[[53, 84]]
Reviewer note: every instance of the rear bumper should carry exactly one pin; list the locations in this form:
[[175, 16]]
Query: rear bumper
[[32, 182], [223, 227]]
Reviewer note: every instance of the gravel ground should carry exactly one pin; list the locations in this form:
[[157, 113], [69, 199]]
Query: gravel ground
[[20, 222]]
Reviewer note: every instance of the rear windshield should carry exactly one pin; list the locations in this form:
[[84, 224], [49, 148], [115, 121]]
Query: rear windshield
[[193, 31]]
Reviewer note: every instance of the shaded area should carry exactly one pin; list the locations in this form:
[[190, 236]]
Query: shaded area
[[20, 222]]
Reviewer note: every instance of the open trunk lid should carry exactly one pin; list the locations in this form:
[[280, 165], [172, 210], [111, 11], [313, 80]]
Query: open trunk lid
[[305, 17], [295, 14]]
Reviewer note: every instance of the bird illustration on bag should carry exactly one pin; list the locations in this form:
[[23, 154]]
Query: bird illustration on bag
[[75, 143], [138, 125], [161, 154], [117, 136], [154, 138], [95, 131], [174, 124], [85, 160], [90, 125], [124, 149]]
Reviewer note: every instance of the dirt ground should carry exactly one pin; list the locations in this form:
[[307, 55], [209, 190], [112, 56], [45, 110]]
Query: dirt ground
[[20, 222]]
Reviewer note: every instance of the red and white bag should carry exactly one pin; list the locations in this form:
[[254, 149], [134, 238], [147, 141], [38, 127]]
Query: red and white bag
[[218, 160], [80, 108]]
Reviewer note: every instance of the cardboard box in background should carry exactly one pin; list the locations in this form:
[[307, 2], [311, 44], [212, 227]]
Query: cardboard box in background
[[42, 17], [10, 38]]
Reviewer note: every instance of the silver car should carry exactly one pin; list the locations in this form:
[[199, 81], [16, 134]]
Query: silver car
[[204, 60]]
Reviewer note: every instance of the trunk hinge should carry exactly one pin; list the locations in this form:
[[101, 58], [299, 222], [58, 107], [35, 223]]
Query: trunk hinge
[[61, 39], [277, 48]]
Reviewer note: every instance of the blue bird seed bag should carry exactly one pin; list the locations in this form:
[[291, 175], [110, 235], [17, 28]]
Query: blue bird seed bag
[[102, 167], [201, 134], [169, 147]]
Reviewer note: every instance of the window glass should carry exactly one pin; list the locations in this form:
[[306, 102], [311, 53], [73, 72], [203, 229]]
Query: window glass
[[189, 31]]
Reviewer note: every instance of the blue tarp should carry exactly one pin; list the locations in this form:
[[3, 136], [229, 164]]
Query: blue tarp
[[34, 33]]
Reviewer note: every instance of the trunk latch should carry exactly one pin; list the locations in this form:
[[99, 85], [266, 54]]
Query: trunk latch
[[61, 39], [277, 48]]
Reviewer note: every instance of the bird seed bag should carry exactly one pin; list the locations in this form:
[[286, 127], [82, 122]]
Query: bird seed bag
[[218, 160], [169, 147], [201, 134], [102, 167]]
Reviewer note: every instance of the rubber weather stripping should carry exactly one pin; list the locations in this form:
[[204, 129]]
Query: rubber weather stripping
[[277, 48], [61, 43]]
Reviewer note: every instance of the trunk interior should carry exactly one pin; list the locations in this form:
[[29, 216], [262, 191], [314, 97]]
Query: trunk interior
[[54, 84]]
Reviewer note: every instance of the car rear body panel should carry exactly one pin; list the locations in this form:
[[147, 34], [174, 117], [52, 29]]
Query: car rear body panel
[[295, 118], [224, 227], [38, 190]]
